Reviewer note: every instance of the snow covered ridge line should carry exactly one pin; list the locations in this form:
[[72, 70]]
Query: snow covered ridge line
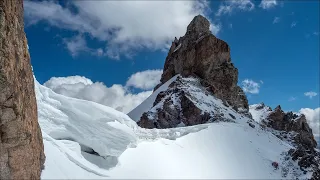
[[86, 140], [186, 102]]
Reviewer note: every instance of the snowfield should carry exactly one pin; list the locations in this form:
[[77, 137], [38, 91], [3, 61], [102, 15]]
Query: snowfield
[[86, 140]]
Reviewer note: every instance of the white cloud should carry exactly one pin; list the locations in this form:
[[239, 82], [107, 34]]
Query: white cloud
[[116, 96], [145, 80], [313, 118], [267, 4], [249, 86], [276, 20], [293, 24], [310, 94], [227, 7], [76, 44], [292, 99], [123, 26]]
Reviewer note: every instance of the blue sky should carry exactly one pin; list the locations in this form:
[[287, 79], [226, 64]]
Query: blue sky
[[274, 44]]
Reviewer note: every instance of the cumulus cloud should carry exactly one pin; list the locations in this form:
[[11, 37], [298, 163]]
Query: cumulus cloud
[[117, 96], [249, 86], [313, 118], [267, 4], [145, 80], [227, 7], [310, 94], [276, 20], [123, 26]]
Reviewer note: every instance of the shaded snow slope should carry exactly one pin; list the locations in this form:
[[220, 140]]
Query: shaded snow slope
[[86, 140], [136, 113]]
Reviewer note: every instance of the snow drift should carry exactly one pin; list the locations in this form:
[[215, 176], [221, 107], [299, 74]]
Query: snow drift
[[86, 140]]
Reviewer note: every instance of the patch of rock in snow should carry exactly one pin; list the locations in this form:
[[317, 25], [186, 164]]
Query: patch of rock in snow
[[146, 105]]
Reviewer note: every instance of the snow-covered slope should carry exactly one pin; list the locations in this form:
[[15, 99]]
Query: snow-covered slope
[[222, 151], [136, 113], [85, 140], [259, 112], [105, 130]]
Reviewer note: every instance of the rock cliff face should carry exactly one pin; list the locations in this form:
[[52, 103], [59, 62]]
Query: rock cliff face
[[288, 122], [205, 73], [201, 53], [21, 146]]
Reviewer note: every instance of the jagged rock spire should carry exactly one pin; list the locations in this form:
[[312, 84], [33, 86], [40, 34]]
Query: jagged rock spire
[[200, 53], [199, 25]]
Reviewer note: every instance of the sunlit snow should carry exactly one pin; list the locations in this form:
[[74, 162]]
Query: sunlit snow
[[86, 140]]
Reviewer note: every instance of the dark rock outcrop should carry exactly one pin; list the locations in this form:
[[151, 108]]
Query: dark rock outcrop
[[288, 122], [307, 159], [201, 53], [185, 103], [174, 107], [21, 145], [295, 128]]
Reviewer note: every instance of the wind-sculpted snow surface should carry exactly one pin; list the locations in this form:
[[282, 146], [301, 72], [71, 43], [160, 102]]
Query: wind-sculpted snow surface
[[85, 140], [105, 130]]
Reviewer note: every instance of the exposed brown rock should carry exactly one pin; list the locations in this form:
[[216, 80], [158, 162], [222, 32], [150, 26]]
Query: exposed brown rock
[[282, 121], [201, 53], [21, 145]]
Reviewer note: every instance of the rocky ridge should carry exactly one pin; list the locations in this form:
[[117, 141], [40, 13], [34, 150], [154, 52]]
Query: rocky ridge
[[185, 103], [21, 145], [294, 129]]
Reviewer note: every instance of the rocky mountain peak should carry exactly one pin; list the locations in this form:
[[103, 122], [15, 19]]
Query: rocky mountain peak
[[278, 108], [198, 26], [199, 53], [205, 87]]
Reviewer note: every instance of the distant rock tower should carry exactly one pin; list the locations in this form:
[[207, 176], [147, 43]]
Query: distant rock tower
[[205, 58], [201, 53]]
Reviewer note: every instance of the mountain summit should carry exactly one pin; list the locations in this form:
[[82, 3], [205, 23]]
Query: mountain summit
[[199, 53], [203, 73]]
